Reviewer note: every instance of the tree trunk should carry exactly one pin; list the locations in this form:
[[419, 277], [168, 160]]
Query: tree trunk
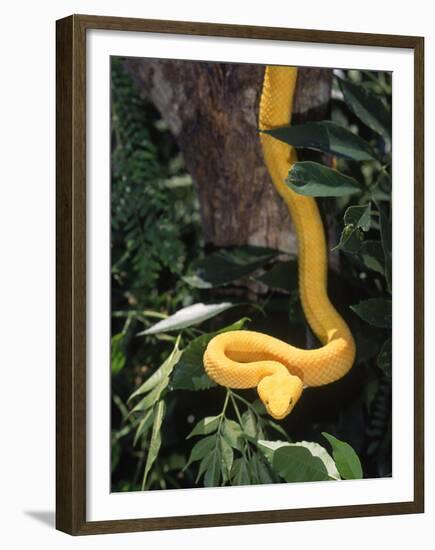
[[212, 110]]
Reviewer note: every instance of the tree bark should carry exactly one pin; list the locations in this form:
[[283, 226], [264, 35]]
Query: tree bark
[[212, 110]]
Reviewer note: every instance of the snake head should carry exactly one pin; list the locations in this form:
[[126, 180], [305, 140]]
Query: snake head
[[280, 393]]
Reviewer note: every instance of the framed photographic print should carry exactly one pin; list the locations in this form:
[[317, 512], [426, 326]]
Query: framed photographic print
[[239, 275]]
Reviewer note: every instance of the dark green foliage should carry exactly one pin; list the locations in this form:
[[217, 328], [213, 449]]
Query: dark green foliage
[[386, 243], [327, 137], [371, 254], [357, 220], [375, 311], [346, 460], [369, 107], [385, 357], [153, 200], [172, 426], [298, 464], [226, 266], [117, 353], [283, 276], [315, 180], [155, 234]]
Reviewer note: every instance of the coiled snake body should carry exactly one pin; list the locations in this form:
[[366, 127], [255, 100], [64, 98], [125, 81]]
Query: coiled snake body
[[247, 359]]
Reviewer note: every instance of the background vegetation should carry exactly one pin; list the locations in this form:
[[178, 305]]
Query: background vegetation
[[171, 425]]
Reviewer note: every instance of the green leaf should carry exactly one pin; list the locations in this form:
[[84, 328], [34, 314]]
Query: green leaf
[[384, 360], [270, 447], [240, 474], [156, 440], [346, 459], [117, 353], [282, 276], [386, 245], [249, 424], [158, 382], [260, 473], [232, 433], [351, 239], [160, 376], [203, 465], [227, 455], [115, 455], [228, 265], [358, 215], [189, 374], [213, 472], [327, 137], [216, 458], [202, 448], [375, 311], [367, 106], [372, 255], [356, 219], [319, 451], [144, 426], [205, 426], [188, 316], [315, 180], [151, 398], [258, 406], [296, 463]]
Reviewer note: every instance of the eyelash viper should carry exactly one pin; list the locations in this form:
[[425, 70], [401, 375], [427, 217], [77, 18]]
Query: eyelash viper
[[247, 359]]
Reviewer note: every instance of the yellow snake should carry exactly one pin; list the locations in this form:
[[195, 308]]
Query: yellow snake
[[247, 359]]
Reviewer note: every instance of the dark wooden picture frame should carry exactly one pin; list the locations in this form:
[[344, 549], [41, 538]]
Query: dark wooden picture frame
[[71, 274]]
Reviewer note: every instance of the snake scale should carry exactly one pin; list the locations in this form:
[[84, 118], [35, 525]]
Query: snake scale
[[248, 359]]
